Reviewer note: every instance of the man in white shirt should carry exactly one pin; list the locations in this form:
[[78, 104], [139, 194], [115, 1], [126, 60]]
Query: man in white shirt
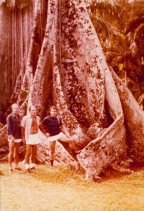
[[29, 128]]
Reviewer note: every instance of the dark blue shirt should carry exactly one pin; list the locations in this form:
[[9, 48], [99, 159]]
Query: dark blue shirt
[[52, 125], [14, 126]]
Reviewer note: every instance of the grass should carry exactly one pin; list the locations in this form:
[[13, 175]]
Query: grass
[[62, 189]]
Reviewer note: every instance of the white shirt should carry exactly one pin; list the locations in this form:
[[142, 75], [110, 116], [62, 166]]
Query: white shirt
[[26, 123]]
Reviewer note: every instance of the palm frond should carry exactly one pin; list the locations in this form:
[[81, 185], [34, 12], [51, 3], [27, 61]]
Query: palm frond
[[134, 23]]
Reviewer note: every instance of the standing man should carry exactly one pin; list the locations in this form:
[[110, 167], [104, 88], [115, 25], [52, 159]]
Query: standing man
[[29, 128], [54, 130], [14, 136]]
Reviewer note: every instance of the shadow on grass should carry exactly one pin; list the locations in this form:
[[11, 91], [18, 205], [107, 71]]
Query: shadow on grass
[[67, 175], [64, 175], [58, 174], [113, 174]]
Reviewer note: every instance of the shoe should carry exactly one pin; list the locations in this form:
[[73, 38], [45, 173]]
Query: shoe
[[75, 153], [18, 168], [51, 166], [10, 171], [78, 152], [33, 168], [27, 171]]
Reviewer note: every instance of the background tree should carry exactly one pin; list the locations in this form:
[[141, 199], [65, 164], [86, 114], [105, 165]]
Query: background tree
[[119, 25]]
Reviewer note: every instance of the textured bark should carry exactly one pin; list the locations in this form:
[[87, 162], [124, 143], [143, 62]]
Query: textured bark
[[15, 32], [44, 65], [34, 50], [3, 142], [134, 120], [68, 69]]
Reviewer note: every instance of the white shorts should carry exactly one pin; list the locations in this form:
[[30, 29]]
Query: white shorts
[[61, 137], [33, 139], [15, 140]]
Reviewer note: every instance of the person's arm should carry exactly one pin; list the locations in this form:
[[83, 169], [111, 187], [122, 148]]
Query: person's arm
[[9, 128], [23, 124], [23, 134], [38, 120], [43, 130]]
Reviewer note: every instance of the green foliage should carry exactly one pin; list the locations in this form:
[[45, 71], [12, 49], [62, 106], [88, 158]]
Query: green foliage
[[120, 27]]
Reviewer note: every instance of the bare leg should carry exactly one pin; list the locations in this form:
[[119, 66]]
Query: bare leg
[[11, 153], [71, 143], [28, 155], [17, 146], [52, 151], [67, 139], [33, 158]]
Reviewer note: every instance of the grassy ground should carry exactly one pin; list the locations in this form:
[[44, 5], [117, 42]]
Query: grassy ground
[[62, 189]]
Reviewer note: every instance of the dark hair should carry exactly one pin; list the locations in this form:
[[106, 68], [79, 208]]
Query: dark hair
[[53, 107]]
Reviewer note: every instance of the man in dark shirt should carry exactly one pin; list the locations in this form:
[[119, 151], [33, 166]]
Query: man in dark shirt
[[14, 136], [54, 130]]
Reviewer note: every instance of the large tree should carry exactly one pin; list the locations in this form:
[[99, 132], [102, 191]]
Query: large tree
[[65, 66]]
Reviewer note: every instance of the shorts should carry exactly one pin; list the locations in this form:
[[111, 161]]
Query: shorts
[[15, 140], [33, 139]]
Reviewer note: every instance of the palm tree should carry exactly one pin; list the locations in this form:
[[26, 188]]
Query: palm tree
[[119, 25]]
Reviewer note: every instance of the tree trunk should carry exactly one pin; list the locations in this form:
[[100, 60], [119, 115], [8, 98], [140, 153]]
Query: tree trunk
[[15, 33], [67, 68]]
